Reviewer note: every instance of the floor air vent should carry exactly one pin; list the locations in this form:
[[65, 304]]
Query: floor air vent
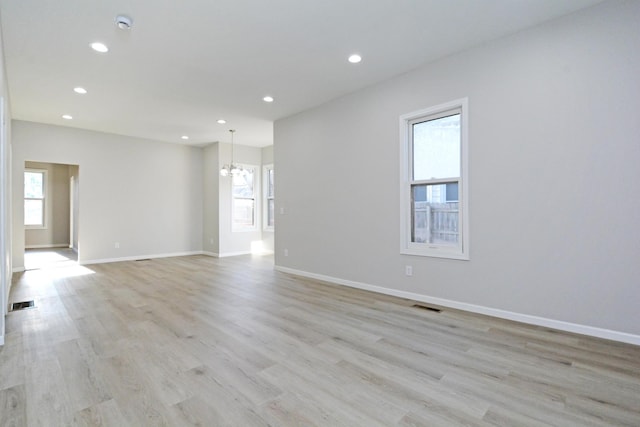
[[22, 305], [426, 307], [145, 259]]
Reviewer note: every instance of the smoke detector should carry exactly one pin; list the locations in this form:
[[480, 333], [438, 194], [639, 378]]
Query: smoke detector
[[124, 22]]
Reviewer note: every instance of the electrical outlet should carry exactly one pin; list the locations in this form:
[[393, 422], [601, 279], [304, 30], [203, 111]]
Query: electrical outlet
[[286, 252], [282, 211], [211, 240], [117, 245], [408, 270]]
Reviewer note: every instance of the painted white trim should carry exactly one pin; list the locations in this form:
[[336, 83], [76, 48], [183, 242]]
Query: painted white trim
[[5, 221], [493, 312], [53, 245], [407, 247], [212, 254], [265, 197], [133, 258], [17, 269]]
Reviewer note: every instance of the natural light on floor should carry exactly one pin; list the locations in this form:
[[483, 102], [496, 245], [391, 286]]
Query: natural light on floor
[[67, 270], [258, 247], [51, 257]]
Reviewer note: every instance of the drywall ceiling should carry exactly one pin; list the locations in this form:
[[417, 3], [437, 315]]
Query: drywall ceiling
[[185, 64]]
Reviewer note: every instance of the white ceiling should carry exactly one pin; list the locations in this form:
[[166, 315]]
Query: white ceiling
[[187, 63]]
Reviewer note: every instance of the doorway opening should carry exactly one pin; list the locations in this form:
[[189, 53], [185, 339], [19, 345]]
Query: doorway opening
[[51, 212]]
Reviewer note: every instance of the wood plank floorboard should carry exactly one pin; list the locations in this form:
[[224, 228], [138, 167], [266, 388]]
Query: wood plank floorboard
[[200, 341]]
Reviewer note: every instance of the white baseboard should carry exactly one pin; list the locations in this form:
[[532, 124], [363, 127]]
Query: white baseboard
[[212, 254], [494, 312], [17, 269], [48, 246], [133, 258]]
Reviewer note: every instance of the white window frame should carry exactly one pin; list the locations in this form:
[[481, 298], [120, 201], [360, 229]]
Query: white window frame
[[256, 201], [407, 247], [45, 188], [265, 210]]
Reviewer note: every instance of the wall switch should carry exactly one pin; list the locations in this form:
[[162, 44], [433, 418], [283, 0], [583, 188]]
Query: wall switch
[[117, 245], [408, 270], [286, 252]]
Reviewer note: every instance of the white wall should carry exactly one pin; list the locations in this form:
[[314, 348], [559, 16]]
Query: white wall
[[554, 178], [145, 195], [211, 200]]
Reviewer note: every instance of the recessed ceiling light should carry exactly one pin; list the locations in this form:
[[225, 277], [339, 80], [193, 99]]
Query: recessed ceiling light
[[221, 121], [99, 47], [355, 58], [184, 137], [268, 99], [80, 90], [67, 117]]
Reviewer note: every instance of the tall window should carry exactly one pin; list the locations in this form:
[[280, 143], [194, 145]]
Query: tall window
[[34, 198], [269, 205], [244, 200], [434, 185]]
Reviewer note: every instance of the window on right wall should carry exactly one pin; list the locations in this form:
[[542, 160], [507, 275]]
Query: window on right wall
[[244, 200], [434, 182], [269, 204]]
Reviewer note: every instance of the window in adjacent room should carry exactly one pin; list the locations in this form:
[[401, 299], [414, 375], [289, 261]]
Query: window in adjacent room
[[434, 182], [34, 198], [244, 200], [269, 200]]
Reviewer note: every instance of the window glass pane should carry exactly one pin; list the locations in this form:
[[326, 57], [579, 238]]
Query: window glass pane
[[436, 148], [243, 184], [33, 212], [451, 192], [34, 185], [434, 219], [270, 183], [270, 213], [243, 212]]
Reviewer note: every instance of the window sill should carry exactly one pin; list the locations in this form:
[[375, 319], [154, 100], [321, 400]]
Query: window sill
[[435, 252], [35, 227]]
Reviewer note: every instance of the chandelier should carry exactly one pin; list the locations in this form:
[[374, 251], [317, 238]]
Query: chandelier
[[231, 169]]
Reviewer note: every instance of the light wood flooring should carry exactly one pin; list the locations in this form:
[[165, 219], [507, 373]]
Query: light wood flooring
[[230, 342]]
